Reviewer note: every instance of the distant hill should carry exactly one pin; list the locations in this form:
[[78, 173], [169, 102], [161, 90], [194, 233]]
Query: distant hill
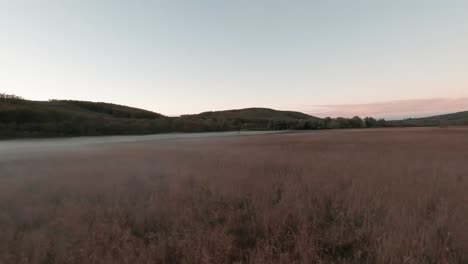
[[30, 111], [24, 118], [259, 118], [23, 111], [454, 119], [57, 118], [254, 113], [54, 118], [114, 110]]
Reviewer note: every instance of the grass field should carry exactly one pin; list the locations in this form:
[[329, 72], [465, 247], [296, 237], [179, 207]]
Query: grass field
[[339, 196]]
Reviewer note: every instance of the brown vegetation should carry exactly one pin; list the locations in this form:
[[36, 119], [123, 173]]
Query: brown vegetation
[[359, 196]]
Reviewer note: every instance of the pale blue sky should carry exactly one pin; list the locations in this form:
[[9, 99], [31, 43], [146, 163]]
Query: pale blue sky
[[177, 57]]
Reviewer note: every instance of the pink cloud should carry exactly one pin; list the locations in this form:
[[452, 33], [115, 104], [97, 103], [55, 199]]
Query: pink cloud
[[392, 109]]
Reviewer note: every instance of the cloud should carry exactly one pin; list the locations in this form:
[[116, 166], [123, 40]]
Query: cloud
[[392, 109]]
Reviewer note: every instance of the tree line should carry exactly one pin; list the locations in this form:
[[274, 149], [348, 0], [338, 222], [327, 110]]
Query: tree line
[[10, 97], [328, 123]]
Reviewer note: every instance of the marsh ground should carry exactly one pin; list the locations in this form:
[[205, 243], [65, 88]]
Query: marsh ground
[[338, 196]]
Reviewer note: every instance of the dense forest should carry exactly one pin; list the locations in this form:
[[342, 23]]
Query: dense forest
[[55, 118]]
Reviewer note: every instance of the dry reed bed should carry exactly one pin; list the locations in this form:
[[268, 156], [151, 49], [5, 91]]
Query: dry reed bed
[[368, 196]]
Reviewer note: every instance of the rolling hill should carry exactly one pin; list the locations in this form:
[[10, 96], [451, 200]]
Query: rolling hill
[[42, 111], [454, 119], [259, 118], [54, 118], [253, 114], [25, 118]]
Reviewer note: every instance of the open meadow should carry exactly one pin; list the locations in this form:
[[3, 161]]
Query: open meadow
[[332, 196]]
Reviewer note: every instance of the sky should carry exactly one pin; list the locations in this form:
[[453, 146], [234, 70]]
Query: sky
[[178, 57]]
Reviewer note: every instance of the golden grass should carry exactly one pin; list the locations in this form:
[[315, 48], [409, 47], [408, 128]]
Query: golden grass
[[367, 196]]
